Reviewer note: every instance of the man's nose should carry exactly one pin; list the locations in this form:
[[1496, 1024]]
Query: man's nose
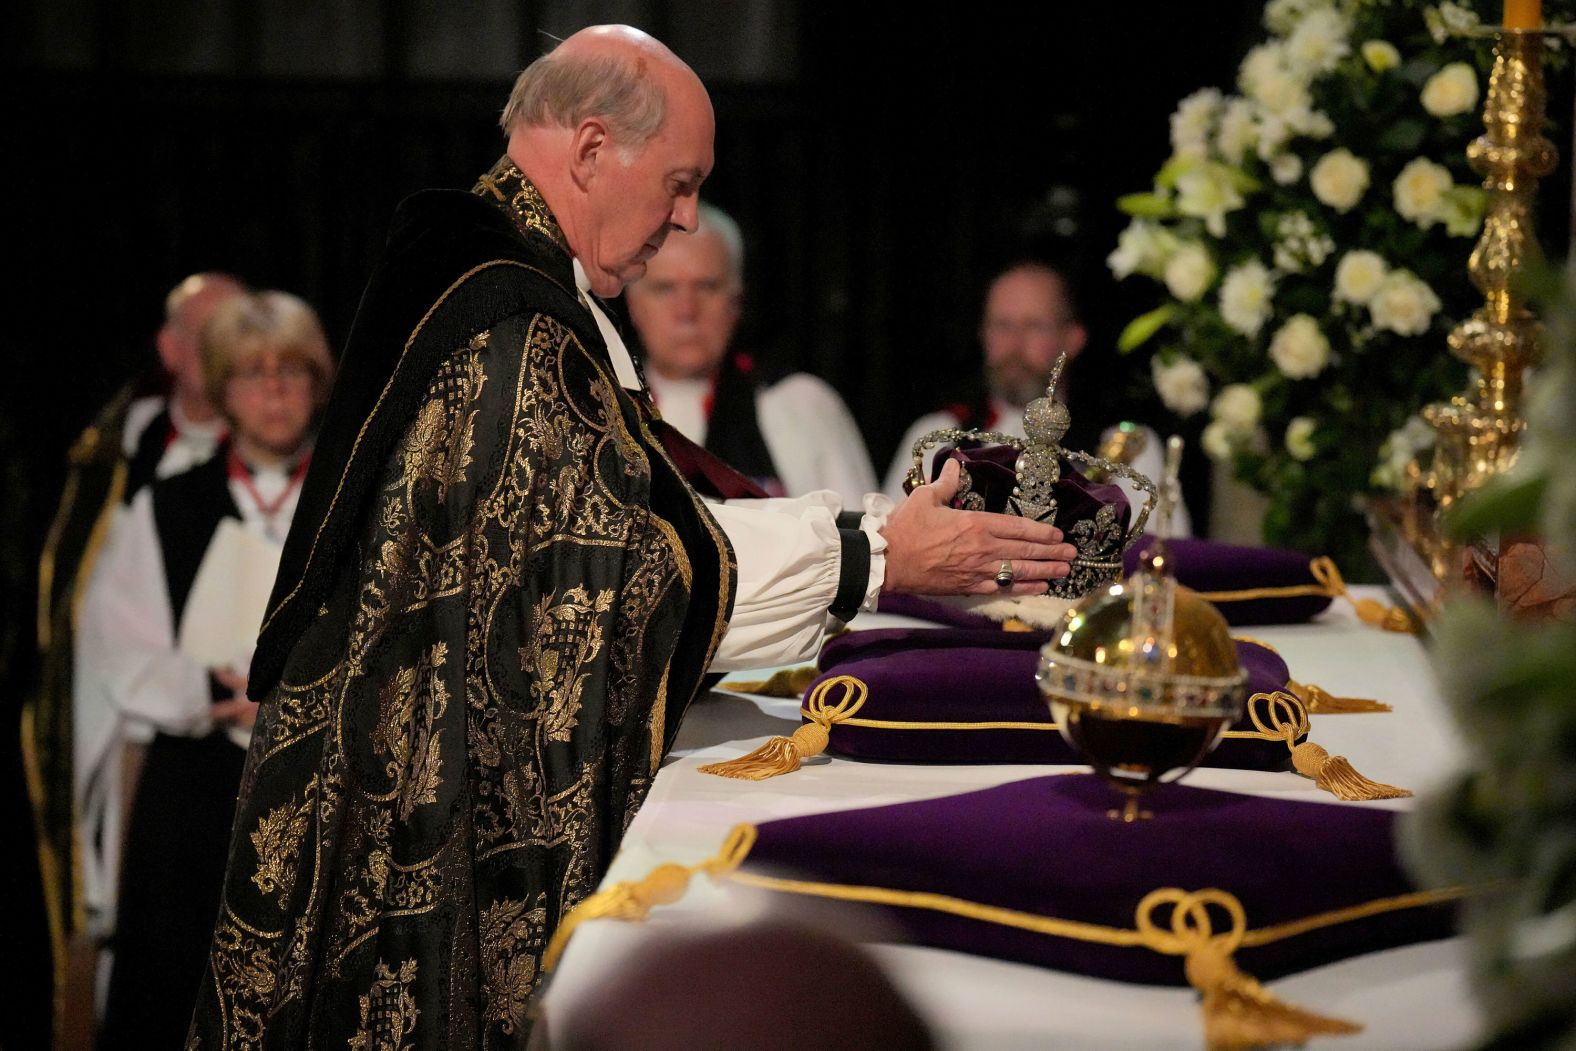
[[686, 301], [686, 213]]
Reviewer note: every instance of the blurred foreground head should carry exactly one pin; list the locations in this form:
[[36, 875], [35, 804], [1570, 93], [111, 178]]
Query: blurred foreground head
[[765, 986]]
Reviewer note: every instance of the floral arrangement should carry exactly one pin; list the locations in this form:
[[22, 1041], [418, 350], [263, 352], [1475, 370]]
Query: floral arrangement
[[1311, 234]]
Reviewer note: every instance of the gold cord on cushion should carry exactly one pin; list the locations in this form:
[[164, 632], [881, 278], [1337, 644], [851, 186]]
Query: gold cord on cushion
[[1239, 1013], [1317, 700], [1330, 585], [1369, 610], [1281, 716], [1320, 702], [783, 755], [633, 899], [789, 682]]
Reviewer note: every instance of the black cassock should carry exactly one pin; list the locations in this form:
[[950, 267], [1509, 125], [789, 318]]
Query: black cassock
[[497, 598]]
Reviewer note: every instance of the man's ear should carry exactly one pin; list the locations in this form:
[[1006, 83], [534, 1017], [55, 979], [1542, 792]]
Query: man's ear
[[1077, 336], [168, 346], [590, 142]]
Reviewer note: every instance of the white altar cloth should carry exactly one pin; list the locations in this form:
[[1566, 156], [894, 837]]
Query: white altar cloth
[[1409, 999]]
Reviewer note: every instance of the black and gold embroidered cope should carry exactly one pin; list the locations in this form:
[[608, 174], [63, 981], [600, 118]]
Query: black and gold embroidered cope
[[500, 603]]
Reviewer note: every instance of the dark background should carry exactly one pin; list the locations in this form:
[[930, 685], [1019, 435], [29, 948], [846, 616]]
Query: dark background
[[881, 160]]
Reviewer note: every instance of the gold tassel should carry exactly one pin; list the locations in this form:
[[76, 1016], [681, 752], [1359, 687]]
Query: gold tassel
[[1286, 719], [1319, 702], [1369, 610], [1239, 1013], [789, 682], [783, 755], [1336, 775], [633, 899], [1014, 624]]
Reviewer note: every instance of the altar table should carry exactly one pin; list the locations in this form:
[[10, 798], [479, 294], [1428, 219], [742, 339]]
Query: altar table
[[1409, 998]]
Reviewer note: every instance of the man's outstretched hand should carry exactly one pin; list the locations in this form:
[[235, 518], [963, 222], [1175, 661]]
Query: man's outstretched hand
[[933, 549]]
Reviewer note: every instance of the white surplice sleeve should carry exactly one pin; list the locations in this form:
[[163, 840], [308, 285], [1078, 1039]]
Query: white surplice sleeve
[[813, 439], [125, 630], [790, 566]]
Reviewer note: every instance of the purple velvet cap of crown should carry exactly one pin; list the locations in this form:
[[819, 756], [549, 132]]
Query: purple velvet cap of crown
[[993, 473], [986, 675], [1046, 847], [1209, 566]]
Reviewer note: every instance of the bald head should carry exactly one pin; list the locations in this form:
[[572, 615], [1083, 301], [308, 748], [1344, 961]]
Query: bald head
[[616, 132], [186, 310], [602, 71]]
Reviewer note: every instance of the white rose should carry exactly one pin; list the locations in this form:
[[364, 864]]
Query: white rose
[[1420, 191], [1309, 122], [1189, 272], [1182, 385], [1237, 132], [1246, 297], [1263, 61], [1193, 122], [1299, 349], [1447, 19], [1358, 276], [1404, 304], [1282, 16], [1273, 134], [1280, 91], [1207, 192], [1218, 440], [1453, 90], [1286, 168], [1339, 179], [1238, 406], [1380, 55], [1318, 43], [1299, 437], [1142, 248]]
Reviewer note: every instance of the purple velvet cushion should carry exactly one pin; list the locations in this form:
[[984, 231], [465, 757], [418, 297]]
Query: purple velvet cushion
[[972, 676], [1213, 569], [992, 471], [1046, 847]]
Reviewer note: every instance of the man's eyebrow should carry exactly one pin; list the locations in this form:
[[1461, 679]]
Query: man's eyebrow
[[688, 173]]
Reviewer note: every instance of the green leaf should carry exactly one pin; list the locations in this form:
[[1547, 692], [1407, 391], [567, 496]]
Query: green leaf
[[1143, 327], [1146, 206], [1503, 503], [1169, 172], [1404, 136]]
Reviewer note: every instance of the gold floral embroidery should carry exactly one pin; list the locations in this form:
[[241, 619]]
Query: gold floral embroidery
[[524, 204], [512, 937], [388, 1011], [568, 635], [407, 732], [277, 841]]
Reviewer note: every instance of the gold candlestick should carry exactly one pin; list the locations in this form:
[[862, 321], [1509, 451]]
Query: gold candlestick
[[1479, 431]]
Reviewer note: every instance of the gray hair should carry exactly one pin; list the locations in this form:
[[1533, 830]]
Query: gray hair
[[716, 221], [565, 90]]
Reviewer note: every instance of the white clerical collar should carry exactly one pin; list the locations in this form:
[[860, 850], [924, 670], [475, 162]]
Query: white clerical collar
[[623, 364]]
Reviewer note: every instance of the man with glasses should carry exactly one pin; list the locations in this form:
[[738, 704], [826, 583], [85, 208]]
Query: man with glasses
[[1030, 320]]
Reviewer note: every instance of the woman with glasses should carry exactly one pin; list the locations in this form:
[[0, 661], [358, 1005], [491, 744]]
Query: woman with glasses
[[171, 616]]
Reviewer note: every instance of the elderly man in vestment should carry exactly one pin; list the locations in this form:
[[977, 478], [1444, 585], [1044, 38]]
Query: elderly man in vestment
[[499, 593], [792, 434]]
